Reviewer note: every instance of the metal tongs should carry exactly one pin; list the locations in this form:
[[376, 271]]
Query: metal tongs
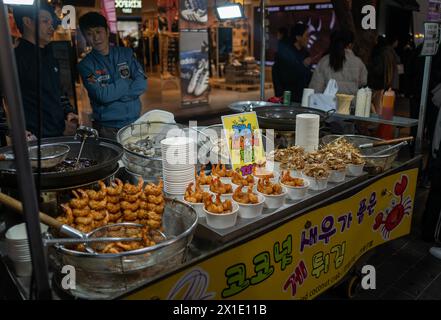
[[84, 133]]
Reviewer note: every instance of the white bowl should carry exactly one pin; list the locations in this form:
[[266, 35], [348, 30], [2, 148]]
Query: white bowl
[[274, 201], [354, 170], [251, 210], [223, 197], [222, 221], [198, 207], [337, 176], [317, 184], [297, 193]]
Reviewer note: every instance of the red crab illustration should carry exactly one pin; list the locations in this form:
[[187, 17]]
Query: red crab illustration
[[393, 217]]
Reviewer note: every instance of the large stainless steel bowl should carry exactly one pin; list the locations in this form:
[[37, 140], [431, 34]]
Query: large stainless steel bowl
[[374, 163], [101, 276], [152, 133]]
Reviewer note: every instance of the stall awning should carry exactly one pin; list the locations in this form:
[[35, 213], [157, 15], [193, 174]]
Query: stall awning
[[407, 4]]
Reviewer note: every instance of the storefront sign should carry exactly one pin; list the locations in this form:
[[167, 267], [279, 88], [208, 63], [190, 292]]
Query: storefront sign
[[434, 10], [303, 257], [128, 6], [244, 141]]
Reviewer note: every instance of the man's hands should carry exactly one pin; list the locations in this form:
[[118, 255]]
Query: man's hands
[[71, 124]]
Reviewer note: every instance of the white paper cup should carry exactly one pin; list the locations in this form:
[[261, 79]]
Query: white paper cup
[[354, 170], [273, 180], [317, 184], [337, 176], [224, 220], [198, 207], [297, 193], [251, 210], [274, 201]]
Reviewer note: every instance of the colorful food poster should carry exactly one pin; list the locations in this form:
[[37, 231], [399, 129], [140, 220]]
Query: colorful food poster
[[193, 14], [244, 141], [193, 59]]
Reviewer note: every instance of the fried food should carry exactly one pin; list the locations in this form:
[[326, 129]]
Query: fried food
[[335, 163], [316, 171], [90, 209], [245, 197], [217, 186], [195, 196], [262, 173], [286, 155], [217, 207], [291, 181], [220, 170], [265, 186], [242, 181], [343, 149], [203, 179]]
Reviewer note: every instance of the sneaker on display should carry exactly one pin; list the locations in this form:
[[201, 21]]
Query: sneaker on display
[[194, 78], [202, 80]]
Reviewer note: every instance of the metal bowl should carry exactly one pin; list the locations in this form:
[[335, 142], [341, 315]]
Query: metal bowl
[[102, 276], [51, 154], [150, 135], [375, 164]]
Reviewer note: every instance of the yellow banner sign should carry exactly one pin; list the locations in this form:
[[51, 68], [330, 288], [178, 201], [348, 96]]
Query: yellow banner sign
[[303, 257], [244, 141]]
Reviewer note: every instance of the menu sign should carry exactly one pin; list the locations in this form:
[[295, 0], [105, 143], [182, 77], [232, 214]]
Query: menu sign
[[245, 142]]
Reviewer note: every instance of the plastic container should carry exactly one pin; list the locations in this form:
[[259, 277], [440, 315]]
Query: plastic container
[[251, 210], [274, 201], [224, 220], [297, 193], [337, 176], [354, 170]]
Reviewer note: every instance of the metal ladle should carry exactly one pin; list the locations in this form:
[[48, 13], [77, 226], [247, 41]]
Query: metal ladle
[[83, 133]]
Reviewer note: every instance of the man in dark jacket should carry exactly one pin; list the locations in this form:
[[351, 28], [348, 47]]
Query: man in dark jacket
[[56, 119], [292, 64]]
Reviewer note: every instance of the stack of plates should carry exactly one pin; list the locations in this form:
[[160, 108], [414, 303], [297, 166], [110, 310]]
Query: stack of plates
[[17, 247], [178, 164]]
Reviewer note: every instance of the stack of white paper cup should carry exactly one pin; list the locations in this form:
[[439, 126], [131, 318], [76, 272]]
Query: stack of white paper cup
[[307, 92], [307, 131], [178, 164]]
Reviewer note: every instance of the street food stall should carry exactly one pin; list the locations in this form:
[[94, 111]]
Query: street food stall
[[290, 224], [294, 243]]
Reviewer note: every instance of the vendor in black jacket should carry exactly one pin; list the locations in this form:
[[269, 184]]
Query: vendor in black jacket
[[56, 119], [291, 69]]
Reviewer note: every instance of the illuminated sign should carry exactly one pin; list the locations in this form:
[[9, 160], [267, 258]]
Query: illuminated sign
[[127, 6]]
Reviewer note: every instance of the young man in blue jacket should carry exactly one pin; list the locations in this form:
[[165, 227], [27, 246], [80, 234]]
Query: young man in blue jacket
[[113, 77]]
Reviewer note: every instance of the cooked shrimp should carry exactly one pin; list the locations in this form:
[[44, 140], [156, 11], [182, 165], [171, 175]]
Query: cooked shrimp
[[130, 215], [130, 206], [113, 208], [68, 213], [132, 198], [116, 188], [154, 190], [114, 216], [132, 189], [113, 199], [155, 199], [81, 212], [98, 205], [98, 215], [98, 195], [84, 220], [79, 202]]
